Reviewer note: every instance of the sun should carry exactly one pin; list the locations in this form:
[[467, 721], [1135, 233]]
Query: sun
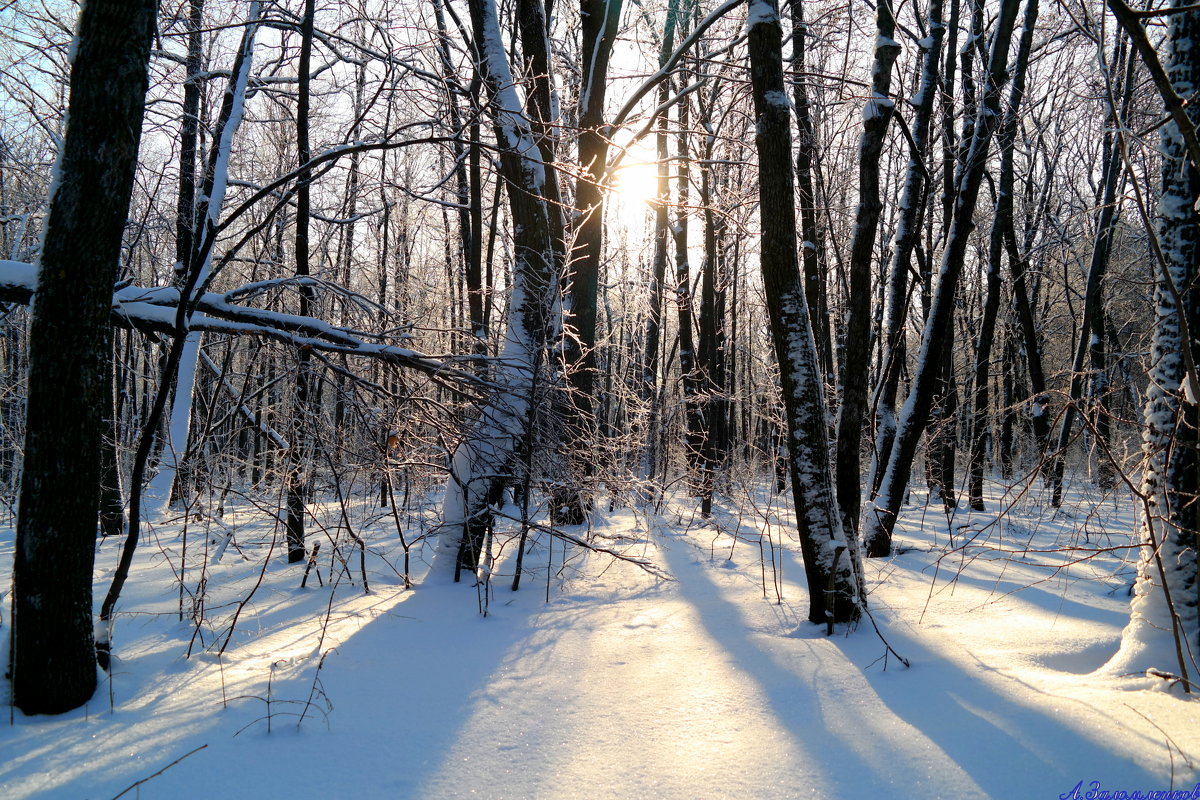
[[637, 182], [635, 186]]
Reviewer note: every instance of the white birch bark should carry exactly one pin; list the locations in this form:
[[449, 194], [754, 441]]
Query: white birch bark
[[1163, 632]]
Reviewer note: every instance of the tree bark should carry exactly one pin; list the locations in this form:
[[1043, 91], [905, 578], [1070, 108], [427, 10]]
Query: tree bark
[[852, 409], [53, 653], [830, 560], [483, 461], [807, 153], [304, 409], [1167, 589], [880, 518], [913, 202], [1091, 327], [1002, 220]]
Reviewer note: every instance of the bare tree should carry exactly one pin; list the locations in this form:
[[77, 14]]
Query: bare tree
[[880, 518]]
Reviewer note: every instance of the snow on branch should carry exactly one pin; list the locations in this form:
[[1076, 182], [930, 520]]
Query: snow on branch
[[153, 310]]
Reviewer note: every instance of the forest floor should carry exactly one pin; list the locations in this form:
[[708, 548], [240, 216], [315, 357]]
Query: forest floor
[[599, 679]]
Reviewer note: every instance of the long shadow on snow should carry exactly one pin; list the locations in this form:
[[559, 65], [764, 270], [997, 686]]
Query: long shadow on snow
[[1006, 749], [443, 655], [813, 700], [1009, 748]]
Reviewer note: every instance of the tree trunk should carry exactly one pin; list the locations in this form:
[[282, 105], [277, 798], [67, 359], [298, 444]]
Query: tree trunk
[[1091, 327], [913, 202], [813, 243], [1167, 589], [881, 517], [688, 365], [830, 560], [158, 492], [852, 409], [483, 461], [1005, 137], [53, 655], [304, 409]]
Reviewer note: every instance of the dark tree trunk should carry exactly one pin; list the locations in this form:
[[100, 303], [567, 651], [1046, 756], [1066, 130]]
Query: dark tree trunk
[[185, 211], [881, 519], [813, 243], [598, 22], [1091, 328], [711, 360], [991, 305], [648, 387], [942, 444], [688, 364], [852, 409], [830, 560], [53, 653], [304, 408]]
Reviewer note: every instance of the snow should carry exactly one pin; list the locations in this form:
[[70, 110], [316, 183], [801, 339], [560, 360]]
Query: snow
[[622, 685], [761, 12], [876, 106]]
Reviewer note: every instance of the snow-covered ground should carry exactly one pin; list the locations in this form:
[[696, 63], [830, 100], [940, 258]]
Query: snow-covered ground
[[599, 680]]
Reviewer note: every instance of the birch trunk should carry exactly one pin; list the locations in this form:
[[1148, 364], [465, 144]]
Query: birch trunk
[[1164, 619]]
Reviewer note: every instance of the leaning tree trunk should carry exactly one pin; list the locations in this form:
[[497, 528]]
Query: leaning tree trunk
[[212, 196], [880, 517], [913, 202], [831, 562], [53, 657], [483, 462], [184, 354]]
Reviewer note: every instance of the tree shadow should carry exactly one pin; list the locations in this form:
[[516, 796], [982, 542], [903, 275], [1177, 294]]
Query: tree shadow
[[935, 730]]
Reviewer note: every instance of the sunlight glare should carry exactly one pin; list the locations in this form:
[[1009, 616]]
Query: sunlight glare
[[635, 186]]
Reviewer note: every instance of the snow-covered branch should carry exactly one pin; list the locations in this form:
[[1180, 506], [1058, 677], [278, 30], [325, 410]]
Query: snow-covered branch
[[153, 310]]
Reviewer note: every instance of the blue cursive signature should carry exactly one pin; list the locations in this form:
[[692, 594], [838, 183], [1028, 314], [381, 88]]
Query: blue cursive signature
[[1092, 791]]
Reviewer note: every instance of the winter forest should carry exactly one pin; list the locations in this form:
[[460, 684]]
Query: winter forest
[[527, 399]]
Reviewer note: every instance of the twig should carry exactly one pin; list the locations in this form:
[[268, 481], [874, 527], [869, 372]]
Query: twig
[[133, 786], [879, 633]]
